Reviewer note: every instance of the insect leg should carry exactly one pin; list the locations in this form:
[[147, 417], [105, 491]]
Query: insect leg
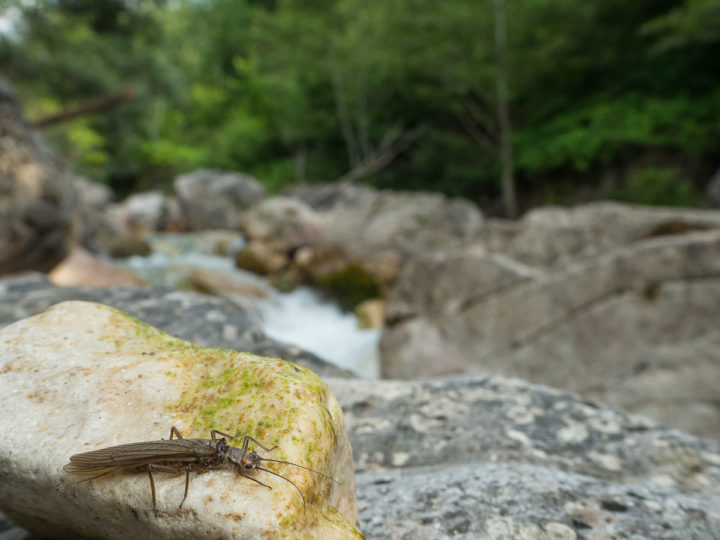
[[176, 432], [214, 432], [152, 487], [261, 445], [163, 468], [187, 485], [255, 480]]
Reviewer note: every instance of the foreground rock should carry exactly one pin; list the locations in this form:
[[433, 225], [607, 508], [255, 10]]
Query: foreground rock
[[635, 327], [499, 458], [86, 376], [202, 319], [38, 200]]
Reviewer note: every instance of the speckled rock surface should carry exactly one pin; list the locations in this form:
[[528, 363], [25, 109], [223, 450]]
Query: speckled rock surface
[[492, 457], [83, 376], [527, 503], [202, 319]]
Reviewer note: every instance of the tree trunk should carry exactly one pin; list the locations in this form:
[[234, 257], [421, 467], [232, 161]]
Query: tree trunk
[[507, 178]]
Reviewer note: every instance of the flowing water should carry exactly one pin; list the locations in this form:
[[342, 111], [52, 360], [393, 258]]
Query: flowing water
[[301, 317], [304, 318]]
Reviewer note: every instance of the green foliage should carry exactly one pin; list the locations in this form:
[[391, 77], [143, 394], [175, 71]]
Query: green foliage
[[658, 185], [292, 90], [696, 22], [599, 132]]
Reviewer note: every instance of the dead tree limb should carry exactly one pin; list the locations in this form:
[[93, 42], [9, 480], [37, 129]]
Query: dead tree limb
[[90, 107]]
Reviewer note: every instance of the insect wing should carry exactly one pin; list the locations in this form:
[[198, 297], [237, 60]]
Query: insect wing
[[126, 456]]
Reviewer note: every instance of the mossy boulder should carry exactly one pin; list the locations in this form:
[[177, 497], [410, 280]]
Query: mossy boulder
[[83, 376]]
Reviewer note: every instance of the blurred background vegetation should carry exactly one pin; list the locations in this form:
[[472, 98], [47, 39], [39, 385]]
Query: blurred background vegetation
[[568, 100]]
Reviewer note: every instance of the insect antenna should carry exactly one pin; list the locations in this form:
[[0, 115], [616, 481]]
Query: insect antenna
[[302, 467], [286, 479]]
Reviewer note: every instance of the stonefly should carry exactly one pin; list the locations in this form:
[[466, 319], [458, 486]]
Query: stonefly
[[175, 456]]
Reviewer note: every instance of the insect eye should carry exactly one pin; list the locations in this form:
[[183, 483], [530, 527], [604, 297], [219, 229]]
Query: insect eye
[[248, 465]]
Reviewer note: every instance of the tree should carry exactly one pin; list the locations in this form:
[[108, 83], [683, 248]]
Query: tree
[[503, 109]]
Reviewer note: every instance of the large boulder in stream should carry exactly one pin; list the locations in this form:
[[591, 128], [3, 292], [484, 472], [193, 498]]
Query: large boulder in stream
[[551, 237], [364, 220], [631, 322], [83, 376], [37, 199]]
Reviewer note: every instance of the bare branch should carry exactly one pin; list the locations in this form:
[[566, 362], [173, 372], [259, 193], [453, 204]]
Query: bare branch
[[346, 126], [91, 107], [383, 156]]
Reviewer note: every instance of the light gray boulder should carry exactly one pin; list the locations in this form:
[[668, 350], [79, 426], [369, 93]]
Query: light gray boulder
[[144, 212], [635, 327], [363, 219], [282, 224], [212, 199], [551, 237]]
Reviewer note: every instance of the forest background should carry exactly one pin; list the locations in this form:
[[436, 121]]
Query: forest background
[[510, 103]]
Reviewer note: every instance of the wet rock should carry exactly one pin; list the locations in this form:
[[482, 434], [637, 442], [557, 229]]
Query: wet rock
[[85, 376], [634, 327], [37, 201], [202, 319], [212, 199], [484, 456]]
